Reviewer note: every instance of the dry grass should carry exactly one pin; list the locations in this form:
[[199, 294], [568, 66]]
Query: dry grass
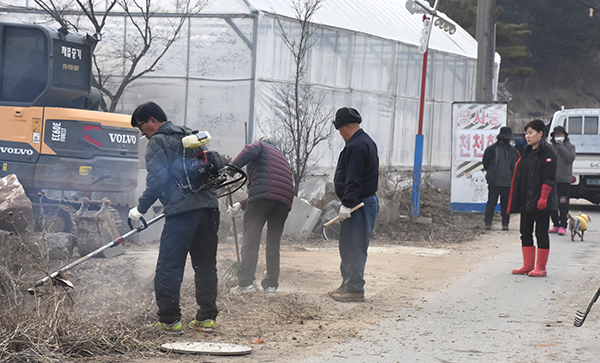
[[52, 331], [57, 324], [105, 316]]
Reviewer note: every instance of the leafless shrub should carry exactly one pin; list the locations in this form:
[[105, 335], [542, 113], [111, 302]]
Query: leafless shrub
[[293, 310]]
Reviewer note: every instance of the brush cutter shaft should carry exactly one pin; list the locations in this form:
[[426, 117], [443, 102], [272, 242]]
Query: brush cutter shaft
[[113, 243], [333, 220]]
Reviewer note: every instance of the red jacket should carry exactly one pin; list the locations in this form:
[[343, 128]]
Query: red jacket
[[269, 173]]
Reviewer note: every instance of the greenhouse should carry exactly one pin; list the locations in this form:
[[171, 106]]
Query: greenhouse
[[222, 73]]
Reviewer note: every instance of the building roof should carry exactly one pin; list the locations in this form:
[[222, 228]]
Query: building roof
[[387, 19]]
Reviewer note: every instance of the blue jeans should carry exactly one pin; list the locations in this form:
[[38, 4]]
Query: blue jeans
[[193, 232], [355, 233]]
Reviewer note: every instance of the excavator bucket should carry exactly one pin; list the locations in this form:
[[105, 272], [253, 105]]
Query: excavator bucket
[[97, 228]]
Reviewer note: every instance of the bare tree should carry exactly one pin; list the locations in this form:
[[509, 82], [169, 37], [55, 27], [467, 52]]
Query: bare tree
[[149, 45], [302, 119]]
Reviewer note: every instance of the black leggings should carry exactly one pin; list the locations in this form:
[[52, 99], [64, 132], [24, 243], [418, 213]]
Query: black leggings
[[541, 219]]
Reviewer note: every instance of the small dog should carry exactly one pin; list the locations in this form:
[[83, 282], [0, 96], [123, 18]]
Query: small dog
[[578, 225]]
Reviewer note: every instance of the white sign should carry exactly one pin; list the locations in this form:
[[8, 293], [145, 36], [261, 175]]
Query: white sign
[[474, 128]]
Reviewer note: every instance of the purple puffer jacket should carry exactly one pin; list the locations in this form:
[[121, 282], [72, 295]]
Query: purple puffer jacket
[[269, 173]]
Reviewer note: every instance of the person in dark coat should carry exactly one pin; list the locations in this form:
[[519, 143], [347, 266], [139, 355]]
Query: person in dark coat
[[565, 156], [191, 222], [270, 197], [499, 163], [356, 179], [533, 194]]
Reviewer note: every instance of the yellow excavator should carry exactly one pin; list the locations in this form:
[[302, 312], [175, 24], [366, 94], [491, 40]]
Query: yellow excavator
[[52, 136]]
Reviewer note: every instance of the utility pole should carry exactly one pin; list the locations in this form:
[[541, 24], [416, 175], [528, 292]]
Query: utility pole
[[486, 41], [429, 14]]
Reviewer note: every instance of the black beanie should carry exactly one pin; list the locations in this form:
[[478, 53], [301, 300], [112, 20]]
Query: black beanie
[[346, 115]]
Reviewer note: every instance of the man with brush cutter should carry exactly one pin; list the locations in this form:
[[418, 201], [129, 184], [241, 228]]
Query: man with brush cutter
[[191, 221]]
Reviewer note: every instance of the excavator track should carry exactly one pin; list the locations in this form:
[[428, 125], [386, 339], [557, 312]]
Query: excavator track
[[93, 223]]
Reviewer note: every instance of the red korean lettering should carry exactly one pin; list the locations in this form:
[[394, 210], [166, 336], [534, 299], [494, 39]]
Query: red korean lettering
[[465, 145]]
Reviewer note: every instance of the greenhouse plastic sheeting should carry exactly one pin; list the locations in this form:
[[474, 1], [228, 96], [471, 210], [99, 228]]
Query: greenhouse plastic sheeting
[[221, 75]]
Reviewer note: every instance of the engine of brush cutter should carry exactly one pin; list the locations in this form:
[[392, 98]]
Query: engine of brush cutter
[[203, 168]]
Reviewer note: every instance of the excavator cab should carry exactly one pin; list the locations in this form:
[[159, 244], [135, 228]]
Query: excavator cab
[[52, 136]]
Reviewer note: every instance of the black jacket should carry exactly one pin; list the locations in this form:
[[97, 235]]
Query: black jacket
[[269, 173], [499, 163], [164, 163], [529, 178], [357, 171]]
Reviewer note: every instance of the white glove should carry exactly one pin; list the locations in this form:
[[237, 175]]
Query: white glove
[[345, 213], [234, 209], [134, 214]]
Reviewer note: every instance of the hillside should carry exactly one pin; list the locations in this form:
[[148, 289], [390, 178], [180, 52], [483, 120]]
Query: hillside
[[573, 84]]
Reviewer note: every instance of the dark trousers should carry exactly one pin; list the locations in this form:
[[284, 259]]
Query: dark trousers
[[541, 220], [256, 214], [193, 232], [559, 217], [355, 233], [493, 193]]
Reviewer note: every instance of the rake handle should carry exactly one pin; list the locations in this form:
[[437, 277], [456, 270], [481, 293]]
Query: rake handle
[[333, 220]]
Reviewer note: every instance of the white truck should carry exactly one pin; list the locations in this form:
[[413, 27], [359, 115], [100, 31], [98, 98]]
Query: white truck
[[582, 125]]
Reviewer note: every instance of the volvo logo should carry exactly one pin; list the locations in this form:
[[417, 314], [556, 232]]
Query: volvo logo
[[15, 151], [123, 138]]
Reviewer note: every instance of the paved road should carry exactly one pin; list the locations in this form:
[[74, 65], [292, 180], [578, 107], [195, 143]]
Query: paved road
[[490, 315]]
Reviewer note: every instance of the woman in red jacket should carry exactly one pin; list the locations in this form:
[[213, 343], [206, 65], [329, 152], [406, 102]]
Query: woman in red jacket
[[533, 194]]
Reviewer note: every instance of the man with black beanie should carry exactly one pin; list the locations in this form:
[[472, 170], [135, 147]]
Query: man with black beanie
[[356, 179], [499, 163]]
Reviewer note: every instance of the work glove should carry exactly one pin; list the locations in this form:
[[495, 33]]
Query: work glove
[[543, 202], [234, 209], [345, 213], [134, 214]]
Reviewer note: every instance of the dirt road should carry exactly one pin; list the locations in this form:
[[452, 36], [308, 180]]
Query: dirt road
[[490, 315], [456, 303]]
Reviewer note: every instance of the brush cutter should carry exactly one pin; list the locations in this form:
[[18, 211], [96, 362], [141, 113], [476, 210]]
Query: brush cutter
[[333, 220], [233, 270], [580, 316], [59, 277]]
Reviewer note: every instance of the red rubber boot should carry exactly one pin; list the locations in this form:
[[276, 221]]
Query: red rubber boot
[[528, 261], [540, 266]]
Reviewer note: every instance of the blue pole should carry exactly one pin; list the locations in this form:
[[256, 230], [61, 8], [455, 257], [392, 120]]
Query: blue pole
[[416, 191], [416, 187]]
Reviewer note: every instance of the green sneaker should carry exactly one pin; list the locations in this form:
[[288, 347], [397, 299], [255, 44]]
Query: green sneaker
[[174, 328], [207, 325]]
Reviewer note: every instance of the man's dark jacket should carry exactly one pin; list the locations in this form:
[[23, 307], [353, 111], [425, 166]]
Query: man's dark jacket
[[499, 161], [269, 173], [541, 170], [357, 172], [164, 163]]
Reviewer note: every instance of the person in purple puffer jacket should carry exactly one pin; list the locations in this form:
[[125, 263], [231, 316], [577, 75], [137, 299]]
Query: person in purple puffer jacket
[[270, 196]]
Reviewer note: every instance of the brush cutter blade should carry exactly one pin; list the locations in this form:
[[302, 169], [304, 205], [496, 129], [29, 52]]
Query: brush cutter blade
[[62, 280]]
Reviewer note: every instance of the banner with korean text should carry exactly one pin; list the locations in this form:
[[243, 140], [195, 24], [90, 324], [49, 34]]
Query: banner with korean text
[[474, 128]]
